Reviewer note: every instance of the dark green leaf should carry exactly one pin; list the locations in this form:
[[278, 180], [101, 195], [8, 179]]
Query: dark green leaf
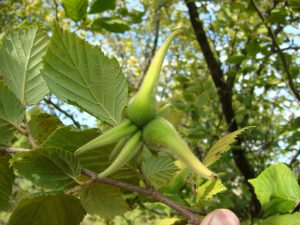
[[48, 210], [103, 200], [69, 138], [11, 113], [75, 9], [235, 59], [111, 24], [277, 189], [99, 6], [42, 125], [6, 181], [295, 5], [78, 72], [51, 168]]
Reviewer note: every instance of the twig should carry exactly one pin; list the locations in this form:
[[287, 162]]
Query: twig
[[188, 213], [13, 150], [56, 10], [294, 159], [29, 135], [192, 217], [49, 102], [280, 53]]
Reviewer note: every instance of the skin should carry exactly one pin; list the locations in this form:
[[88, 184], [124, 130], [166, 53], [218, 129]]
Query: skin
[[220, 217]]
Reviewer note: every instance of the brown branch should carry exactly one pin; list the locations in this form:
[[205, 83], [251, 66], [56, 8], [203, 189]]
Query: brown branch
[[49, 102], [294, 159], [225, 95], [192, 217], [150, 192], [280, 53], [29, 135], [13, 150]]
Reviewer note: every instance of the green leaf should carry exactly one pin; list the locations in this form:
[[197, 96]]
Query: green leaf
[[111, 24], [235, 59], [103, 200], [42, 125], [11, 113], [99, 6], [48, 210], [277, 16], [210, 188], [159, 170], [69, 138], [51, 168], [295, 5], [78, 72], [75, 9], [288, 219], [277, 189], [221, 146], [6, 181], [21, 62]]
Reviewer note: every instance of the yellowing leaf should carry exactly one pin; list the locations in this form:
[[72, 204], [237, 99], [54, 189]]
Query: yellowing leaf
[[221, 146], [209, 189]]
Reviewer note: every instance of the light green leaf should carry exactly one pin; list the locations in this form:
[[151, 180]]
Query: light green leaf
[[75, 9], [115, 25], [69, 138], [11, 113], [99, 6], [78, 72], [159, 170], [209, 189], [51, 168], [288, 219], [48, 210], [6, 181], [221, 146], [21, 62], [277, 189], [42, 125], [103, 200]]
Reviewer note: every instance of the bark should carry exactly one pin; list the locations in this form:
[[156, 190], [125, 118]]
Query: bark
[[225, 95]]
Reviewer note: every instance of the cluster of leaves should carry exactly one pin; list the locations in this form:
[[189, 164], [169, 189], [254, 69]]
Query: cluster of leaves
[[77, 10], [31, 64], [239, 36]]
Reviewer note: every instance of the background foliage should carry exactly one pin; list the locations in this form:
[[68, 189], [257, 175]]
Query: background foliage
[[236, 65]]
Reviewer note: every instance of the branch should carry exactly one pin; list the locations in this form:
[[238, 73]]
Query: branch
[[49, 102], [150, 192], [294, 159], [280, 53], [225, 95], [29, 135], [13, 150], [192, 217]]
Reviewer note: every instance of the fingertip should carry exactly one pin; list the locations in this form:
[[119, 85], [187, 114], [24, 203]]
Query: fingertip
[[221, 217]]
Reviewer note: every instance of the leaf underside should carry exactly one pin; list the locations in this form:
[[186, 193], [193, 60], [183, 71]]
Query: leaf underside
[[79, 72], [21, 62]]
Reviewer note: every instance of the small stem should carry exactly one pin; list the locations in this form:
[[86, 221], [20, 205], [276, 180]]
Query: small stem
[[29, 135], [280, 53], [13, 150], [186, 212], [192, 217]]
